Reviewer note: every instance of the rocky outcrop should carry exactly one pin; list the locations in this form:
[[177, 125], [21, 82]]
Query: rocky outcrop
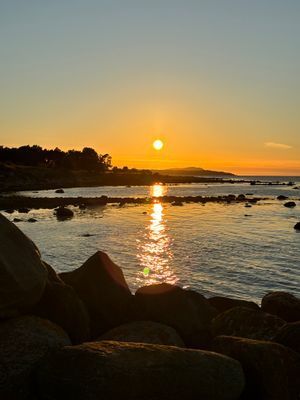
[[144, 332], [188, 312], [135, 371], [24, 342], [271, 370], [61, 305], [282, 304], [247, 323], [101, 286], [289, 336], [22, 273], [221, 303]]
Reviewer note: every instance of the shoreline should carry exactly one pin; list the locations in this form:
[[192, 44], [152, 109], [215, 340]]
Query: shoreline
[[14, 202]]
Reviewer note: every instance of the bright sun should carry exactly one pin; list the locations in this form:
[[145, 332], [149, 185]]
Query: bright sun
[[158, 144]]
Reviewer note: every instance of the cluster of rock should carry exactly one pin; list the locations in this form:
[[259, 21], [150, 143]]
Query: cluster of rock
[[84, 335]]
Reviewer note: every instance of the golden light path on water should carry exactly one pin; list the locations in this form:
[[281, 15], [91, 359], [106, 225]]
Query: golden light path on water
[[154, 247]]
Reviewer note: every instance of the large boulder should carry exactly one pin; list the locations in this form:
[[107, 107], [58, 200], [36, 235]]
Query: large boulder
[[144, 332], [282, 304], [289, 336], [222, 303], [271, 370], [101, 285], [22, 273], [188, 312], [135, 371], [61, 305], [247, 323], [23, 343]]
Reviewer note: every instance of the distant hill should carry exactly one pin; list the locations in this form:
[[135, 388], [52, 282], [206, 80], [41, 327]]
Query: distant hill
[[192, 171]]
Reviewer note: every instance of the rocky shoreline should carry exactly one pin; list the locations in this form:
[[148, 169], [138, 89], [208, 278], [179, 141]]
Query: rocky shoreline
[[83, 335]]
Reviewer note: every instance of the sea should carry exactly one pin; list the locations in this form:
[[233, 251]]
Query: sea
[[216, 249]]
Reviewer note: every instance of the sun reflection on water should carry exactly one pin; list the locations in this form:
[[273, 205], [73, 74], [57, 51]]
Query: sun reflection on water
[[154, 248]]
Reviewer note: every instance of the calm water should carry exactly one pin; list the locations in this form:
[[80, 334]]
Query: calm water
[[217, 249]]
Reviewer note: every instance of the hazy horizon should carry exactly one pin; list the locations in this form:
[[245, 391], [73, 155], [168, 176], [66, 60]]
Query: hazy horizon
[[217, 81]]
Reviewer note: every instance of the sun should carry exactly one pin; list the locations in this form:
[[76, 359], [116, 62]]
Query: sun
[[158, 144]]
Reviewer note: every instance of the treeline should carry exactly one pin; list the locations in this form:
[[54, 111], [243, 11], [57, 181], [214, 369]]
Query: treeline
[[87, 159]]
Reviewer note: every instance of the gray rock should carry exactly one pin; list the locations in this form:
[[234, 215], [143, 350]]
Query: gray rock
[[22, 274], [282, 304], [102, 287], [135, 371], [271, 370], [247, 323], [23, 343], [188, 312], [144, 332]]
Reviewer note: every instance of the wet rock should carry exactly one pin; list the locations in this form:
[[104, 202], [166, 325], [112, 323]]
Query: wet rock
[[297, 226], [32, 220], [223, 304], [63, 213], [23, 276], [144, 332], [87, 235], [23, 210], [248, 323], [59, 191], [282, 197], [82, 206], [271, 370], [102, 287], [241, 197], [289, 336], [188, 312], [177, 203], [9, 210], [282, 304], [17, 220], [290, 204], [248, 205], [24, 342], [135, 371]]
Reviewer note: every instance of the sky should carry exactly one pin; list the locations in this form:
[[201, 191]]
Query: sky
[[218, 81]]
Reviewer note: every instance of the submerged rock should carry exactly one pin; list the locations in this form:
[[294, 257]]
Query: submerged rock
[[24, 342], [144, 332], [135, 371], [271, 370], [23, 275], [101, 285], [222, 303], [248, 323], [188, 312], [282, 304]]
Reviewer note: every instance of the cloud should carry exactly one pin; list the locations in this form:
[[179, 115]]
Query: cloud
[[277, 145]]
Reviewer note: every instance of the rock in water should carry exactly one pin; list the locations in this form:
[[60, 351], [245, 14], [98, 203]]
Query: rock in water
[[297, 226], [271, 370], [102, 287], [282, 304], [23, 343], [290, 204], [144, 332], [188, 312], [247, 323], [22, 274], [63, 213], [135, 371], [226, 303]]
